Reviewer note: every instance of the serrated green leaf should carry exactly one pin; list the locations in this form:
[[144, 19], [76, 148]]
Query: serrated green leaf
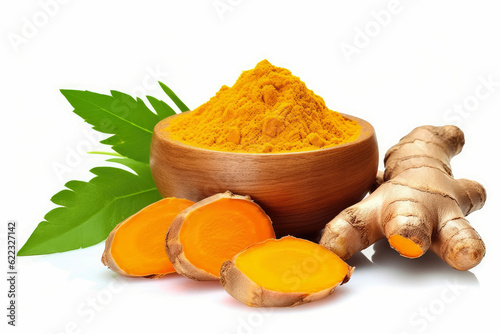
[[162, 109], [90, 210], [128, 120]]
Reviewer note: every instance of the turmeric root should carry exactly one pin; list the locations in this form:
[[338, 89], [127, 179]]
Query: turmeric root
[[420, 205], [212, 231], [136, 246], [284, 272]]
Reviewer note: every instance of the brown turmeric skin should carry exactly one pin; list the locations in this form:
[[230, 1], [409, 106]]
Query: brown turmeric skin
[[267, 110], [212, 231], [420, 205]]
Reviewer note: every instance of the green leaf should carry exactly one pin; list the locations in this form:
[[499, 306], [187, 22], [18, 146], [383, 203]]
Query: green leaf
[[90, 210], [182, 107], [162, 109], [129, 120]]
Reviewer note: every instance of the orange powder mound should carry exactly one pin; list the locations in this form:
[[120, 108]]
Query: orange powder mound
[[267, 110]]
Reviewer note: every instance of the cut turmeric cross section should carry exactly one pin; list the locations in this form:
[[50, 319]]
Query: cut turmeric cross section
[[136, 247], [212, 231], [284, 272]]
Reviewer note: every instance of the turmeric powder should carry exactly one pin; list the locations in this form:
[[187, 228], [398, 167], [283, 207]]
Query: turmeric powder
[[267, 110]]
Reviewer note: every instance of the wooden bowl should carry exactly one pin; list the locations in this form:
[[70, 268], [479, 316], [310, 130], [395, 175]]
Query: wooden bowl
[[300, 191]]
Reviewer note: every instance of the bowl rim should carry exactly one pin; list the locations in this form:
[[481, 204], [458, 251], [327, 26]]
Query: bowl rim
[[367, 132]]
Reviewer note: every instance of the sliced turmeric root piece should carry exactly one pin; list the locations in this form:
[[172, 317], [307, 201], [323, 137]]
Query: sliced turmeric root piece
[[136, 246], [284, 272], [212, 231]]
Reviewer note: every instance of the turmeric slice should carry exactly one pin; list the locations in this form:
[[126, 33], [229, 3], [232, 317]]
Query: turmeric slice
[[136, 246], [284, 272], [212, 231]]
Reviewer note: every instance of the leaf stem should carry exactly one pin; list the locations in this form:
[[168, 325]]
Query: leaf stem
[[106, 153]]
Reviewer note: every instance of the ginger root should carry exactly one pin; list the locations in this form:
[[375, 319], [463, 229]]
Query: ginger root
[[136, 246], [420, 205], [212, 231], [284, 272]]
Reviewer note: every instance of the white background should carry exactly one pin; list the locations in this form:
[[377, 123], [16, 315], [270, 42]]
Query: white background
[[419, 65]]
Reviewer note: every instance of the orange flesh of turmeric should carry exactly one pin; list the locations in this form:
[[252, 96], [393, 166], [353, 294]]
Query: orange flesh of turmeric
[[138, 246], [405, 246], [292, 265], [217, 231]]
